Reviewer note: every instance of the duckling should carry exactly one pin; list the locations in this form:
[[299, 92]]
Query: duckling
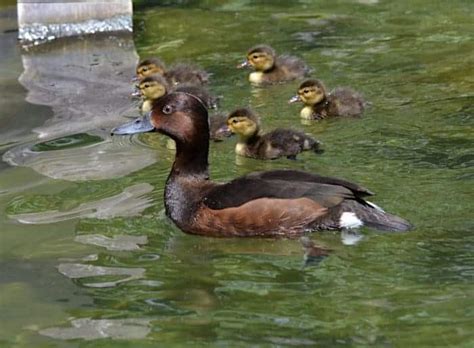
[[155, 86], [271, 69], [277, 143], [319, 104], [276, 203], [177, 74]]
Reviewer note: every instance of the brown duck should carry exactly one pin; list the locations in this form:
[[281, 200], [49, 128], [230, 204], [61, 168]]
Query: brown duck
[[276, 203]]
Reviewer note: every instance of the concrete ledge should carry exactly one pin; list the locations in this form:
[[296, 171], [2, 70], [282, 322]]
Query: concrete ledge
[[44, 20]]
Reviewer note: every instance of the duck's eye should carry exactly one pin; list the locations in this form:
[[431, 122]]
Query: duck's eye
[[234, 121], [167, 109], [146, 86], [306, 91], [137, 121], [254, 56], [145, 68]]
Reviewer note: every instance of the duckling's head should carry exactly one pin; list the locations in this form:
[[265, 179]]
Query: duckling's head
[[181, 116], [153, 87], [310, 92], [243, 122], [261, 58], [149, 67]]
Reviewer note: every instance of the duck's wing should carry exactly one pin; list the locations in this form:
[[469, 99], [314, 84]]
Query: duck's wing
[[297, 175], [283, 184]]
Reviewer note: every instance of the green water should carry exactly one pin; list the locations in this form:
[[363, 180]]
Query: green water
[[413, 60]]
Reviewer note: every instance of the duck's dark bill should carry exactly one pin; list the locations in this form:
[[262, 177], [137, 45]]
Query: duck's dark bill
[[139, 125]]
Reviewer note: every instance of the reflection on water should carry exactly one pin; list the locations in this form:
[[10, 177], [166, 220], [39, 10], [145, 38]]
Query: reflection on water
[[90, 329], [117, 242], [81, 157], [85, 82], [79, 271], [132, 201], [413, 147], [74, 140]]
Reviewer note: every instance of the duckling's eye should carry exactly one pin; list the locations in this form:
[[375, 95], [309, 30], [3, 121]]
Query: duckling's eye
[[146, 85], [306, 91], [234, 121], [137, 121], [254, 56], [167, 109], [144, 68]]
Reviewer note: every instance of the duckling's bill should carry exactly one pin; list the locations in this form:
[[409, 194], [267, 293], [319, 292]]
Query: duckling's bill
[[139, 125], [294, 99], [244, 64]]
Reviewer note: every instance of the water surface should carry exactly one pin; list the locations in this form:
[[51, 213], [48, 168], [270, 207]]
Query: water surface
[[88, 254]]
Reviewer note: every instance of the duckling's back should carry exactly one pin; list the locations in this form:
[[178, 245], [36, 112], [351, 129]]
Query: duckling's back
[[346, 102], [292, 67], [286, 143], [187, 73]]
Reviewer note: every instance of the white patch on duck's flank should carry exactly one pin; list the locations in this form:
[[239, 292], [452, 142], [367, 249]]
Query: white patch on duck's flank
[[349, 220], [373, 205]]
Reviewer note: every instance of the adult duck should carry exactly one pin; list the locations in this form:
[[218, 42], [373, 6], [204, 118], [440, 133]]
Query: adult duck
[[277, 203], [320, 104], [270, 68]]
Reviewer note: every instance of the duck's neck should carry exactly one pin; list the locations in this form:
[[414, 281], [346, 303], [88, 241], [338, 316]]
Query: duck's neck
[[192, 158], [188, 175]]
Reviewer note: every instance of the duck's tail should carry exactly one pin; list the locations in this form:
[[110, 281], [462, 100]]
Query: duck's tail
[[356, 214]]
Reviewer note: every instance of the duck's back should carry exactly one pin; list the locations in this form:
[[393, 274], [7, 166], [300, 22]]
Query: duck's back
[[345, 102]]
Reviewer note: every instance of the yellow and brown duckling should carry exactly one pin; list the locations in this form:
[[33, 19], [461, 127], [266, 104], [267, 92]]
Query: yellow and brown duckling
[[270, 68], [320, 104], [275, 203], [277, 143], [181, 73], [155, 86]]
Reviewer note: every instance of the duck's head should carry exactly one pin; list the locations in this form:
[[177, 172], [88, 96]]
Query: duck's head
[[261, 58], [152, 87], [181, 116], [243, 122], [149, 67], [310, 92]]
